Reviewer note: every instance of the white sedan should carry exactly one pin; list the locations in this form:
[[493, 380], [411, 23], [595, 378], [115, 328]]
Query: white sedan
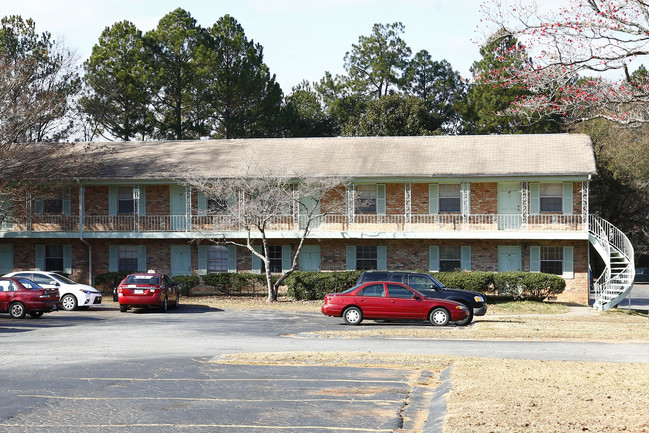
[[73, 295]]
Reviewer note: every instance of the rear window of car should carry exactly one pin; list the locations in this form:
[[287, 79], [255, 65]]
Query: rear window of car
[[375, 276], [28, 284], [152, 280]]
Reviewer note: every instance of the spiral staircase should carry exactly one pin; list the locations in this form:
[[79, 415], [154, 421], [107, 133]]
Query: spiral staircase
[[616, 281]]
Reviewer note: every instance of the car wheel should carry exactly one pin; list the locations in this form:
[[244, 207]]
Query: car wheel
[[439, 317], [17, 310], [468, 319], [165, 305], [36, 314], [353, 316], [69, 302], [175, 307], [123, 308]]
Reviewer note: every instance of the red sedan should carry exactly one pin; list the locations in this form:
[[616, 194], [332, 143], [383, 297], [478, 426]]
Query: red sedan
[[149, 289], [19, 296], [382, 300]]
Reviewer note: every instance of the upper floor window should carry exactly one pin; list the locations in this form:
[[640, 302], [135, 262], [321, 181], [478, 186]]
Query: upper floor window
[[551, 197], [450, 198], [217, 206], [53, 205], [366, 198], [125, 202]]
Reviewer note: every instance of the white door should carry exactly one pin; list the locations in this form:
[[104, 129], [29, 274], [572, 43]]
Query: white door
[[509, 206], [509, 258], [181, 260], [178, 207]]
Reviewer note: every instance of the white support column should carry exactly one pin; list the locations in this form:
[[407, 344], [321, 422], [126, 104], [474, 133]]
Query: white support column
[[584, 205], [351, 203], [465, 192], [188, 209], [525, 205], [407, 197], [136, 208]]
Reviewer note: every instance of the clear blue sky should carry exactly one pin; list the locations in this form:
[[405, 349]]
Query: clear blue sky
[[301, 38]]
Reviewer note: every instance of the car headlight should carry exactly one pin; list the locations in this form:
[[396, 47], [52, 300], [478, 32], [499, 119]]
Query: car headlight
[[478, 298], [88, 292]]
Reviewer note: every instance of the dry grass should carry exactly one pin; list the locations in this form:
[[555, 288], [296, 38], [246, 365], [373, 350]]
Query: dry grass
[[502, 396]]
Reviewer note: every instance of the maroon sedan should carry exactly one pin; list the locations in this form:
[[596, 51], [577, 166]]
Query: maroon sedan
[[383, 300], [149, 289], [19, 296]]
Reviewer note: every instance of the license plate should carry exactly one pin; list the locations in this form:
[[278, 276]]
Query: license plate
[[139, 291]]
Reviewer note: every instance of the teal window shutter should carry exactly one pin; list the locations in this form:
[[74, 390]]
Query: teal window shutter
[[351, 257], [568, 262], [380, 199], [466, 258], [40, 257], [141, 258], [287, 260], [433, 199], [535, 259], [567, 198], [142, 201], [67, 259], [202, 203], [112, 200], [433, 258], [381, 257], [6, 258], [232, 259], [38, 206], [65, 201], [256, 261], [113, 258], [202, 260], [535, 199]]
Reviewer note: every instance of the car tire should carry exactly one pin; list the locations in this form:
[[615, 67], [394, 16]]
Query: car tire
[[353, 316], [36, 314], [439, 317], [175, 306], [123, 308], [17, 310], [69, 302], [468, 319], [165, 305]]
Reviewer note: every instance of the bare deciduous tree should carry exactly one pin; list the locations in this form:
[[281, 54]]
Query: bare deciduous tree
[[259, 205]]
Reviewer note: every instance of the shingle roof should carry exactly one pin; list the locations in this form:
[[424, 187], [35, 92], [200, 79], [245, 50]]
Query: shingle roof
[[357, 157]]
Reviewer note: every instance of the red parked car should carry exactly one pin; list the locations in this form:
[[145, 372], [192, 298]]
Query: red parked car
[[19, 296], [149, 289], [384, 300]]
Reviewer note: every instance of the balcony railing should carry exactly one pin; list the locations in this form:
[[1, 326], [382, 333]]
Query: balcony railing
[[331, 223]]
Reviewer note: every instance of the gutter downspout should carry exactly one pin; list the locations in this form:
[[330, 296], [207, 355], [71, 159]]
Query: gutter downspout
[[82, 191]]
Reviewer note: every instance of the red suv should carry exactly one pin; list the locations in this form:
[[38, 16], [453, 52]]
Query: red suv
[[150, 289]]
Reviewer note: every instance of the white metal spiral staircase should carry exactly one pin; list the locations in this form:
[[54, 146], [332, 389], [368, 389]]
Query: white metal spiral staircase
[[616, 250]]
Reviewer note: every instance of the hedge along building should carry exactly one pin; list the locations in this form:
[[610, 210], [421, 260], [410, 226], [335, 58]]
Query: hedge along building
[[488, 203]]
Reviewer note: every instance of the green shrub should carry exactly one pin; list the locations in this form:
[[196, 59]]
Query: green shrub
[[526, 286], [235, 284], [186, 283], [476, 281], [303, 285], [106, 282]]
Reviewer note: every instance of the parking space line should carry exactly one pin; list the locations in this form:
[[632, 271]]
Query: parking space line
[[194, 426], [310, 400], [261, 379]]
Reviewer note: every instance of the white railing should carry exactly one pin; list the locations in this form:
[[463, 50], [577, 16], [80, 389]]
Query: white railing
[[337, 222]]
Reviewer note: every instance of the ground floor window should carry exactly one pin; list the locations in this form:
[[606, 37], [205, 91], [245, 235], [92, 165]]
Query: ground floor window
[[552, 260], [217, 258], [450, 258], [275, 259], [127, 258], [366, 258], [54, 258]]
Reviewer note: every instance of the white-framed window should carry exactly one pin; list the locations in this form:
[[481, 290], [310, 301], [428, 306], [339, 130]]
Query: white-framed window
[[54, 258], [125, 203], [217, 258], [366, 199], [551, 197], [552, 260], [366, 257], [274, 259], [450, 198], [127, 258], [53, 205], [217, 206], [450, 258]]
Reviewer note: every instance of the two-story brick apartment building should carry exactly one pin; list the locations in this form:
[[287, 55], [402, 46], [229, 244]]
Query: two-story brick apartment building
[[488, 203]]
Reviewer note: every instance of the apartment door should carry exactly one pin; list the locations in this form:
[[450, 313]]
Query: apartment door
[[509, 258], [178, 207], [509, 206], [307, 204], [181, 260], [310, 258], [6, 259]]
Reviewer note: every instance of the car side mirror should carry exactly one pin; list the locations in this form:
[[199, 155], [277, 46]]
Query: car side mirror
[[416, 297], [55, 283]]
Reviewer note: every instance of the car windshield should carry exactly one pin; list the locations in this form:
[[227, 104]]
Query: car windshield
[[63, 279], [28, 284], [152, 280]]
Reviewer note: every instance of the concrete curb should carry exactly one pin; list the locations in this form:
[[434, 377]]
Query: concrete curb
[[437, 410]]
